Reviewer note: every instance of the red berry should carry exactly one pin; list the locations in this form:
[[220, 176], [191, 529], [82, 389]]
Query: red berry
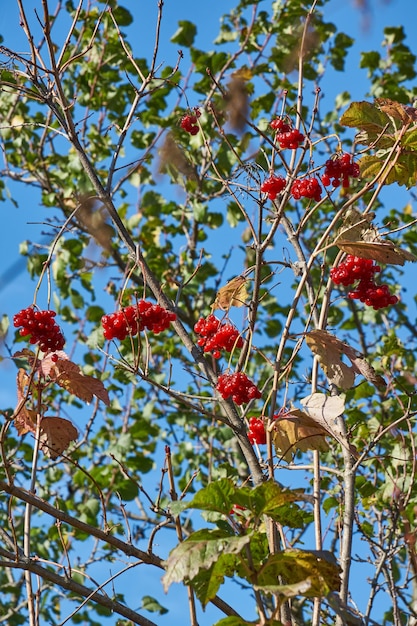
[[306, 188], [238, 386], [132, 319], [287, 136], [340, 168], [41, 327], [273, 186], [189, 122], [216, 336]]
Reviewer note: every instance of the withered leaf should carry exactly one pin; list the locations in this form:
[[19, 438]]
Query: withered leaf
[[172, 155], [398, 111], [357, 227], [24, 418], [69, 376], [325, 410], [234, 293], [56, 433], [329, 350], [237, 103], [297, 431], [381, 251]]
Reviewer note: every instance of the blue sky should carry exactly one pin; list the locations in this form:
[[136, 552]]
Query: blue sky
[[18, 223]]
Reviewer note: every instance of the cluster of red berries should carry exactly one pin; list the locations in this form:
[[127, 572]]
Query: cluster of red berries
[[41, 327], [286, 135], [273, 186], [132, 319], [257, 433], [237, 386], [189, 122], [356, 268], [340, 168], [216, 335], [306, 188]]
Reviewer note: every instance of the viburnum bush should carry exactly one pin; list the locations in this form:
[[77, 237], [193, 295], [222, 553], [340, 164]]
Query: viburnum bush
[[209, 361]]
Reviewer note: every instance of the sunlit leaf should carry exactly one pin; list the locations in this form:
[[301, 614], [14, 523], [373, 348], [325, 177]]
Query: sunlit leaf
[[234, 293], [56, 433], [198, 552], [69, 376]]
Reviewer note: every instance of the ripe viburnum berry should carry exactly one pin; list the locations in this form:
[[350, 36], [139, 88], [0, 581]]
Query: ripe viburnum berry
[[216, 336], [189, 122], [237, 386], [355, 269], [132, 319], [306, 188], [256, 432], [273, 186], [339, 168], [41, 327], [286, 135]]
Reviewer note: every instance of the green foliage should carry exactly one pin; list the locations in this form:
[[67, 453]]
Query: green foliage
[[133, 206]]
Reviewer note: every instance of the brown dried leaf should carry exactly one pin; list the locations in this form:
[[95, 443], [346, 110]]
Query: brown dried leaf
[[56, 433], [325, 410], [69, 376], [234, 293], [366, 369], [46, 364], [381, 251], [357, 227], [329, 351], [237, 103], [92, 217], [171, 155], [297, 431], [396, 110], [24, 418]]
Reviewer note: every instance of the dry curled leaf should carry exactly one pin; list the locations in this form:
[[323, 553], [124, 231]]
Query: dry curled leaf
[[24, 418], [237, 103], [56, 433], [398, 111], [234, 293], [381, 251], [69, 376], [325, 410], [329, 351], [358, 236], [297, 431], [172, 155]]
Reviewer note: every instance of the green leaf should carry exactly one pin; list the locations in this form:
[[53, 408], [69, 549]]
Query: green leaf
[[185, 34], [152, 605], [198, 552], [371, 121], [311, 574], [207, 582], [218, 496]]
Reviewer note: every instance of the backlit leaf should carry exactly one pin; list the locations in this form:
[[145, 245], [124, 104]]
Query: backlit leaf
[[56, 433], [198, 552], [298, 431], [69, 376], [234, 293]]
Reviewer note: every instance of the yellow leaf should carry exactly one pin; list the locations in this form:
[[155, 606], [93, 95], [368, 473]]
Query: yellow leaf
[[234, 293], [297, 431]]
